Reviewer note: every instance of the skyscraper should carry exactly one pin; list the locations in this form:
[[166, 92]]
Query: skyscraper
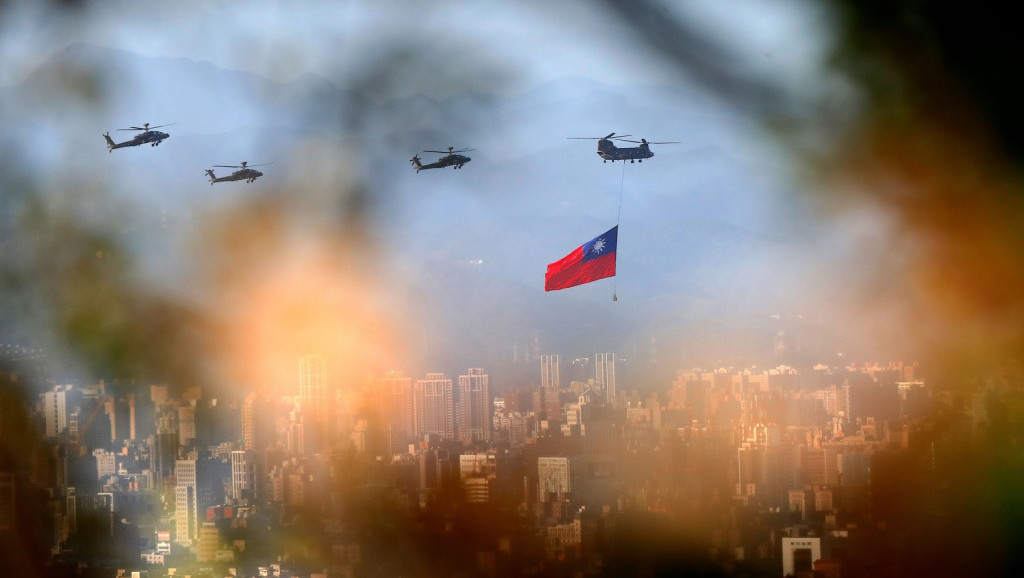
[[549, 372], [435, 406], [314, 401], [257, 423], [241, 476], [186, 505], [397, 408], [604, 364], [313, 382], [55, 411], [474, 421], [186, 424]]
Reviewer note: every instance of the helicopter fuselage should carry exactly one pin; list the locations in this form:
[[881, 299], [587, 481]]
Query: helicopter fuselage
[[150, 137], [451, 160], [247, 175], [609, 152]]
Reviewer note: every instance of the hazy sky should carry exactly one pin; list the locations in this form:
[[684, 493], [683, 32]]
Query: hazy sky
[[282, 40], [710, 227]]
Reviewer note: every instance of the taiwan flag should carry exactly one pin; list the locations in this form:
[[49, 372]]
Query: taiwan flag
[[594, 260]]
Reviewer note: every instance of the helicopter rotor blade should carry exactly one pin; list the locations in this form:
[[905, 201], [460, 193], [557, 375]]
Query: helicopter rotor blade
[[147, 127], [644, 141], [609, 137]]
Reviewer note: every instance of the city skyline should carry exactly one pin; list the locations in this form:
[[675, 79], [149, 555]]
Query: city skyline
[[804, 441]]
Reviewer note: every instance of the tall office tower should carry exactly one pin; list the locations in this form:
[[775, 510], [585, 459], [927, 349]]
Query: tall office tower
[[163, 450], [186, 504], [249, 431], [241, 476], [435, 406], [549, 372], [474, 421], [604, 364], [552, 404], [397, 408], [55, 411], [186, 424], [314, 400], [257, 423]]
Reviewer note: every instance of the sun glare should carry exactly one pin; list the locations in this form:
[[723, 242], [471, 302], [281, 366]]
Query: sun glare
[[285, 299]]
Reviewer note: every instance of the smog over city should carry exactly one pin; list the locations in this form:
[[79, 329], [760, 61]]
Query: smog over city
[[503, 289]]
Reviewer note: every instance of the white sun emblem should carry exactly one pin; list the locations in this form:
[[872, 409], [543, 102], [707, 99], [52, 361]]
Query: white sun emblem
[[598, 246]]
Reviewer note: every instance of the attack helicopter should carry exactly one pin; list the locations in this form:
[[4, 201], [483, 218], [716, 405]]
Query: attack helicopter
[[244, 173], [147, 136], [451, 159], [609, 152]]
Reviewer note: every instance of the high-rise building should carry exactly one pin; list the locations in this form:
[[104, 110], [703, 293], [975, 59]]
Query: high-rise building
[[249, 431], [163, 450], [314, 401], [186, 505], [312, 382], [257, 423], [397, 408], [604, 364], [55, 411], [474, 423], [241, 476], [551, 402], [186, 424], [435, 406], [549, 376]]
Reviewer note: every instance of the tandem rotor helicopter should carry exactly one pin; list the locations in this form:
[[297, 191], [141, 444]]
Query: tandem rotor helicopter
[[609, 152], [147, 136], [244, 173], [451, 159]]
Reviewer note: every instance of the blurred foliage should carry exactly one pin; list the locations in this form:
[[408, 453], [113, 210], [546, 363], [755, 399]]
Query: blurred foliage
[[938, 143]]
